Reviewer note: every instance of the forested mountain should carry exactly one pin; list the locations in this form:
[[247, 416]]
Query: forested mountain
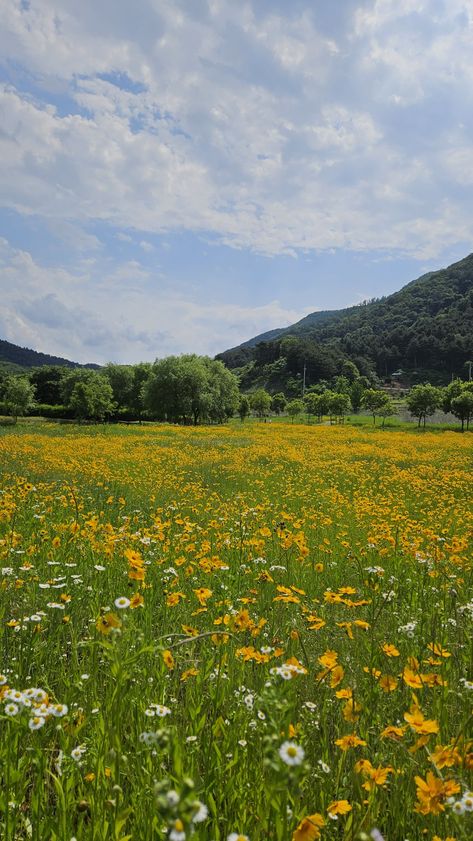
[[26, 358], [426, 329]]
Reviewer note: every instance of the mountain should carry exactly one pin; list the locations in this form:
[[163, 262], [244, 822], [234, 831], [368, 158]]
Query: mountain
[[13, 355], [426, 329]]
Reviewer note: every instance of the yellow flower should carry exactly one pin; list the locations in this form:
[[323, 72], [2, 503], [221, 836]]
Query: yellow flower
[[339, 807], [136, 600], [105, 624], [309, 828], [351, 740], [432, 792], [419, 723], [388, 683], [390, 650], [203, 594], [168, 659]]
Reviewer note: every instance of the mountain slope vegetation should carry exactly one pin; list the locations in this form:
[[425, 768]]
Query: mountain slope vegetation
[[14, 355], [426, 329]]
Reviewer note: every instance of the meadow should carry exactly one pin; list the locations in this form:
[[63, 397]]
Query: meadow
[[251, 631]]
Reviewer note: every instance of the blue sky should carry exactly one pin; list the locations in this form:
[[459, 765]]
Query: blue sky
[[180, 176]]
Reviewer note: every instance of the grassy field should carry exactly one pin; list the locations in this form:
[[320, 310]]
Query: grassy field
[[257, 631]]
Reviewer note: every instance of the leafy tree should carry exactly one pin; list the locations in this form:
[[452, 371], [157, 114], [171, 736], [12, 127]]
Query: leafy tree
[[141, 375], [294, 408], [278, 403], [339, 405], [422, 401], [121, 379], [311, 403], [350, 371], [357, 390], [342, 385], [453, 389], [462, 407], [244, 407], [260, 402], [377, 402], [92, 398], [221, 396], [18, 396], [190, 388], [69, 381], [47, 382], [387, 409]]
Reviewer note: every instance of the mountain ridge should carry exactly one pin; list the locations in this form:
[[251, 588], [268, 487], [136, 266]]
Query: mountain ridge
[[427, 325], [24, 357]]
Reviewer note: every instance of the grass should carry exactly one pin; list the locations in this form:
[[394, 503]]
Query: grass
[[259, 629]]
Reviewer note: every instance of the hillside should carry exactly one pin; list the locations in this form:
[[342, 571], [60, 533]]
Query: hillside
[[14, 355], [426, 329]]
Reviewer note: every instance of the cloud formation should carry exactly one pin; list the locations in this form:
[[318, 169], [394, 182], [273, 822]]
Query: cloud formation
[[275, 128]]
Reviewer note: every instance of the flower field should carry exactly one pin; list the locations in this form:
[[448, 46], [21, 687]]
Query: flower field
[[255, 631]]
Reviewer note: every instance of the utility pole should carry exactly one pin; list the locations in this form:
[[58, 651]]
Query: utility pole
[[470, 365], [303, 381]]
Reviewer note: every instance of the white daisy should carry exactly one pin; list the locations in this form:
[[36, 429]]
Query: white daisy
[[291, 753]]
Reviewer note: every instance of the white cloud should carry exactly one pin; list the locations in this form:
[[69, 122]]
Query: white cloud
[[120, 317], [257, 128]]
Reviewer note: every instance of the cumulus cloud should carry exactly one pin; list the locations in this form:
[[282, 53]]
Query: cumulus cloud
[[217, 117]]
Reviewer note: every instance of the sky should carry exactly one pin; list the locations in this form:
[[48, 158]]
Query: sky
[[180, 175]]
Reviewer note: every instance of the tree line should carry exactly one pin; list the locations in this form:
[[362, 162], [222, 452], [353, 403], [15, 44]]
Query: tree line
[[178, 389], [192, 389]]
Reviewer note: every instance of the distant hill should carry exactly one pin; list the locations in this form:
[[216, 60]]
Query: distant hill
[[14, 355], [426, 329]]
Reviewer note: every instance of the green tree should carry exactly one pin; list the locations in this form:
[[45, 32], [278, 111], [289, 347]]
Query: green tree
[[294, 408], [221, 397], [350, 371], [141, 375], [121, 379], [453, 389], [278, 403], [311, 401], [47, 381], [357, 389], [243, 407], [377, 402], [190, 388], [422, 401], [462, 407], [339, 405], [18, 396], [92, 398], [260, 402]]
